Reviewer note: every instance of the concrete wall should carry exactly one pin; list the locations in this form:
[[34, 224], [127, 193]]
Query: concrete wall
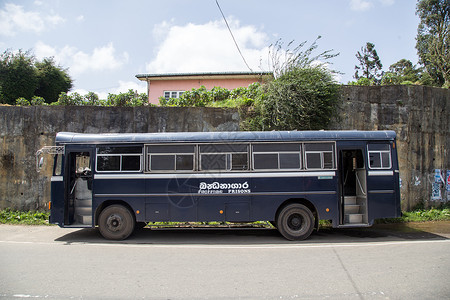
[[419, 115], [24, 130]]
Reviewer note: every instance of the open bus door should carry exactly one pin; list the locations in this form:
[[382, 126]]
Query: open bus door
[[353, 186], [78, 187]]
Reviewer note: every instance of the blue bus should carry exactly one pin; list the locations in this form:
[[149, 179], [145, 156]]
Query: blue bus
[[293, 179]]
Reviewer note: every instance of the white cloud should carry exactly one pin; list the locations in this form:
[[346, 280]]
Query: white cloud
[[123, 86], [101, 59], [207, 48], [360, 5], [80, 18], [364, 5], [13, 19], [387, 2]]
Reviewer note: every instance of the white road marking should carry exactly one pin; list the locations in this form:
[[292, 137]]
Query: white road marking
[[203, 246]]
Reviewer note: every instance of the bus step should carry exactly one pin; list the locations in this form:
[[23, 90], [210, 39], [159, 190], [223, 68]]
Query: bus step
[[351, 209], [84, 219], [83, 203], [350, 200], [83, 211], [353, 218]]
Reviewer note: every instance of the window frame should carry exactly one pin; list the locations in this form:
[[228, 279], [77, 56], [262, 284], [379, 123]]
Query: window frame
[[278, 153], [148, 157], [321, 153], [121, 155], [171, 92], [380, 152], [228, 157]]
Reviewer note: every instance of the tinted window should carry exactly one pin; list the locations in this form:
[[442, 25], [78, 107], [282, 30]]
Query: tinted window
[[108, 163], [119, 150], [131, 163], [213, 162], [170, 149], [289, 161], [276, 147], [185, 162], [313, 160], [162, 162], [239, 161], [265, 161]]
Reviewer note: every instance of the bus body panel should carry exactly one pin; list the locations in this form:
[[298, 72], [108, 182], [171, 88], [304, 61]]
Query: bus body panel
[[252, 195], [57, 201]]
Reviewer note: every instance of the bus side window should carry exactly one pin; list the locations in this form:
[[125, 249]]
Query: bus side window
[[319, 156], [164, 158], [119, 159], [224, 157], [276, 156], [379, 156]]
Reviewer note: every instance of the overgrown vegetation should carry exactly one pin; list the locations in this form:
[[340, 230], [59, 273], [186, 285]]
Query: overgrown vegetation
[[9, 216], [440, 213], [130, 98], [303, 98], [217, 97]]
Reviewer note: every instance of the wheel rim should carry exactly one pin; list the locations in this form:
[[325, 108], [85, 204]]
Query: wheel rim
[[295, 222], [114, 222]]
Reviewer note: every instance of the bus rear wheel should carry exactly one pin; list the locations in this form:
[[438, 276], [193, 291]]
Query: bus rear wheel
[[295, 222], [116, 222]]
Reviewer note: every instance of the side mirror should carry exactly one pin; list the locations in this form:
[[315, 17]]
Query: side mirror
[[41, 163]]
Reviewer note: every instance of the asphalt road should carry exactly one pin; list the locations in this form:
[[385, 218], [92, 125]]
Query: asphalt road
[[378, 263]]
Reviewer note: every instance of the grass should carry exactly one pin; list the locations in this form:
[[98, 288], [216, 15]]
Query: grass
[[9, 216], [441, 213]]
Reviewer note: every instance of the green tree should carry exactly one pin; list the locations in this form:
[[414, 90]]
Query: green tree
[[369, 64], [402, 72], [18, 76], [52, 80], [300, 99], [433, 38]]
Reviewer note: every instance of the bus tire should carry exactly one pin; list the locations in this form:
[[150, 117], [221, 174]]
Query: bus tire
[[295, 222], [116, 222]]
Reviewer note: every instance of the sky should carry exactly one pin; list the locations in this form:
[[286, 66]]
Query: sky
[[105, 44]]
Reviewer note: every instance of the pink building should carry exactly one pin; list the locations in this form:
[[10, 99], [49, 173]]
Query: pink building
[[174, 85]]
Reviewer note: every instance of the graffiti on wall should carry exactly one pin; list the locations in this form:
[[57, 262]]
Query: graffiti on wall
[[440, 183]]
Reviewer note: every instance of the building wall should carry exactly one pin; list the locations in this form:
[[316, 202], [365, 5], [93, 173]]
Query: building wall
[[156, 88], [419, 115]]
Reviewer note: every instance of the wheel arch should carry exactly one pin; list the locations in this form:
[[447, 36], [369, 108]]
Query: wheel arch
[[107, 203], [304, 202]]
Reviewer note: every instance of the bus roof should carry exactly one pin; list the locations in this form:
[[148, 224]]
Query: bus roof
[[235, 136]]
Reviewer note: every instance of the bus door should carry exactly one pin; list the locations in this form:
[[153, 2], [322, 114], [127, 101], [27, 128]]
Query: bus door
[[78, 187], [383, 180], [353, 186]]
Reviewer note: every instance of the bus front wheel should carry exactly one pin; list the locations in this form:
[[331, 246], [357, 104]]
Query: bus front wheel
[[116, 222], [295, 222]]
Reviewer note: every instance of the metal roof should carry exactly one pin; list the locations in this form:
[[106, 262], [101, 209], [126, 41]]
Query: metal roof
[[224, 137], [216, 75]]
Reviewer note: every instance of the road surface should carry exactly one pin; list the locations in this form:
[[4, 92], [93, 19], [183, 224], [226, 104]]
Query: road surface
[[47, 262]]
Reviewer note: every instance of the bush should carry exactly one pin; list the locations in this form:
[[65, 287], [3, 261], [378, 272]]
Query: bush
[[300, 99], [22, 102], [216, 97]]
